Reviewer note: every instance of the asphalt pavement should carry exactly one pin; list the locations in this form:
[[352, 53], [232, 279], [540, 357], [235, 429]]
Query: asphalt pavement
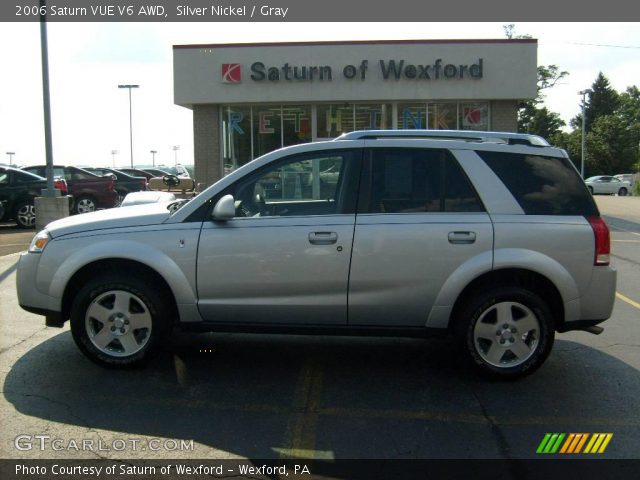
[[250, 396]]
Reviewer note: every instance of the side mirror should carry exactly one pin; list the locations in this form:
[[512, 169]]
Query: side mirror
[[225, 209]]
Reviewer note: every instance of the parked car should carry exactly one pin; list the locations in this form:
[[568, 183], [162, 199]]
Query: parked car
[[125, 183], [607, 185], [136, 172], [161, 170], [17, 191], [490, 237], [89, 191], [625, 177]]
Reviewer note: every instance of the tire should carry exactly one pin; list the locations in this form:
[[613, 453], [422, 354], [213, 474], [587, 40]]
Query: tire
[[120, 198], [622, 192], [590, 190], [136, 314], [85, 204], [25, 215], [499, 352]]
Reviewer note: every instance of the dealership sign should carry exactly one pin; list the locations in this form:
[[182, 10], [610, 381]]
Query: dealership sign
[[389, 69]]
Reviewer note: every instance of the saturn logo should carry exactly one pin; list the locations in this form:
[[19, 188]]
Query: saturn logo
[[231, 73]]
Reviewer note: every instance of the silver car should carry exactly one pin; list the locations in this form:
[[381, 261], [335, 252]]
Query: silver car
[[605, 184], [490, 237]]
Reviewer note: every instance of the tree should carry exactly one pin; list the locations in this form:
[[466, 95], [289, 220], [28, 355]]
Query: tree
[[603, 100], [609, 150], [539, 121]]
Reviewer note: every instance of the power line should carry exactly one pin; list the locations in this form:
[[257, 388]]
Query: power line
[[601, 45]]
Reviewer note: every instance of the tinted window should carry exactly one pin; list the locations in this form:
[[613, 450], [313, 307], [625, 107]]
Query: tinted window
[[310, 184], [542, 185], [418, 180], [79, 174]]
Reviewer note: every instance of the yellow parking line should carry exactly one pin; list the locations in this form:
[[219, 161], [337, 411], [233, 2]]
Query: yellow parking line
[[626, 241], [301, 432], [628, 300]]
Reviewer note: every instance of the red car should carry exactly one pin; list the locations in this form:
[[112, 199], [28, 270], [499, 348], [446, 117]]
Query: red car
[[89, 191]]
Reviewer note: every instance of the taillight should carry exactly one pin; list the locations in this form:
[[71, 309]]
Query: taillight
[[60, 185], [603, 243], [111, 187]]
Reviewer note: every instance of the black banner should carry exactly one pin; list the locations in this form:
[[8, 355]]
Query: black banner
[[315, 11], [107, 469]]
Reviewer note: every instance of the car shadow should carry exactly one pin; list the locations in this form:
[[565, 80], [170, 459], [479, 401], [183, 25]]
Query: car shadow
[[244, 395]]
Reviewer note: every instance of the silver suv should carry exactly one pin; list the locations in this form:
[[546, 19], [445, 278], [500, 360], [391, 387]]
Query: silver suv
[[491, 237]]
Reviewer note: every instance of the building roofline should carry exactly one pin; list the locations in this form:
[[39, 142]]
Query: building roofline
[[360, 42]]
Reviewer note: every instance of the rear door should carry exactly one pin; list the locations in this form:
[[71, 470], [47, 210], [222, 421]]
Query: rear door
[[419, 219]]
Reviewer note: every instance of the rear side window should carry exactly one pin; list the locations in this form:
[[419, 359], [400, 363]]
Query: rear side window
[[417, 181], [542, 185]]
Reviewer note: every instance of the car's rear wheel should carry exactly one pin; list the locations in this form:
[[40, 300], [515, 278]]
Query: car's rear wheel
[[25, 215], [506, 332], [85, 204], [120, 198], [622, 192], [118, 321]]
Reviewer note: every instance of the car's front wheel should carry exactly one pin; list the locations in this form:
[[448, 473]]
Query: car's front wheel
[[506, 332], [118, 321]]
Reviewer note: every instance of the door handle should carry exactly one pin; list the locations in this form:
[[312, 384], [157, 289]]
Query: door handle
[[462, 237], [323, 238]]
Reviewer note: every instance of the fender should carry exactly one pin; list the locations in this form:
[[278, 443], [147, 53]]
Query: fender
[[126, 250], [503, 259]]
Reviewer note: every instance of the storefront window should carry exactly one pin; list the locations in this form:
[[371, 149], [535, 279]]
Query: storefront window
[[296, 123], [474, 116], [267, 129], [412, 115], [443, 116], [334, 120], [236, 129], [373, 116]]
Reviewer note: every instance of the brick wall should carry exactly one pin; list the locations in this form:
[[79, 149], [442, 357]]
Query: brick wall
[[206, 144], [504, 116]]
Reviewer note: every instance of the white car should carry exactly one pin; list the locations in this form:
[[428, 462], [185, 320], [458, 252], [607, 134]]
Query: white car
[[607, 185]]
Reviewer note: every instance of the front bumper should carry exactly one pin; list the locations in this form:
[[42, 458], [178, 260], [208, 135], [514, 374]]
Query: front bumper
[[29, 297]]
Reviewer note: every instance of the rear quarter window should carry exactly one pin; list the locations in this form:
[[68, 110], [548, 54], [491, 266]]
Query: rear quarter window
[[542, 185]]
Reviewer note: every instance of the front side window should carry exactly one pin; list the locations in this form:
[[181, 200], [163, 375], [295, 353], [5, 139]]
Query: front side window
[[309, 184], [418, 181]]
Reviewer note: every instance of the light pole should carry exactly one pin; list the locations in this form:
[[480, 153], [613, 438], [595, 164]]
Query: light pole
[[584, 93], [113, 157], [153, 157], [130, 119], [175, 149], [11, 154]]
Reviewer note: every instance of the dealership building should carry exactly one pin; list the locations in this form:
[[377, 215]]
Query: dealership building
[[250, 99]]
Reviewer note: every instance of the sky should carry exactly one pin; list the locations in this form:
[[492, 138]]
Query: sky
[[87, 61]]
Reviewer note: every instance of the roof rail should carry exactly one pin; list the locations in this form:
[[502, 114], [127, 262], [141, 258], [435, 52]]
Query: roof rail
[[465, 135]]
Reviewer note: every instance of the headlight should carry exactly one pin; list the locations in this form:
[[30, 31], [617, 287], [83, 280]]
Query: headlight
[[39, 242]]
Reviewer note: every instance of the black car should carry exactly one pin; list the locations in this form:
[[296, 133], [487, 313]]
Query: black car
[[17, 191], [125, 183], [136, 172]]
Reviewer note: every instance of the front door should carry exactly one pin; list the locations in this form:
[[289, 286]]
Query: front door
[[284, 258]]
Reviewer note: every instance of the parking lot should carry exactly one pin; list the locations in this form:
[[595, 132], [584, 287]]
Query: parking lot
[[249, 396]]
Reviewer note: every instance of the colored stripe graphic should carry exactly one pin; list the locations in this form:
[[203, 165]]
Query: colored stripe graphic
[[550, 443], [574, 443]]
